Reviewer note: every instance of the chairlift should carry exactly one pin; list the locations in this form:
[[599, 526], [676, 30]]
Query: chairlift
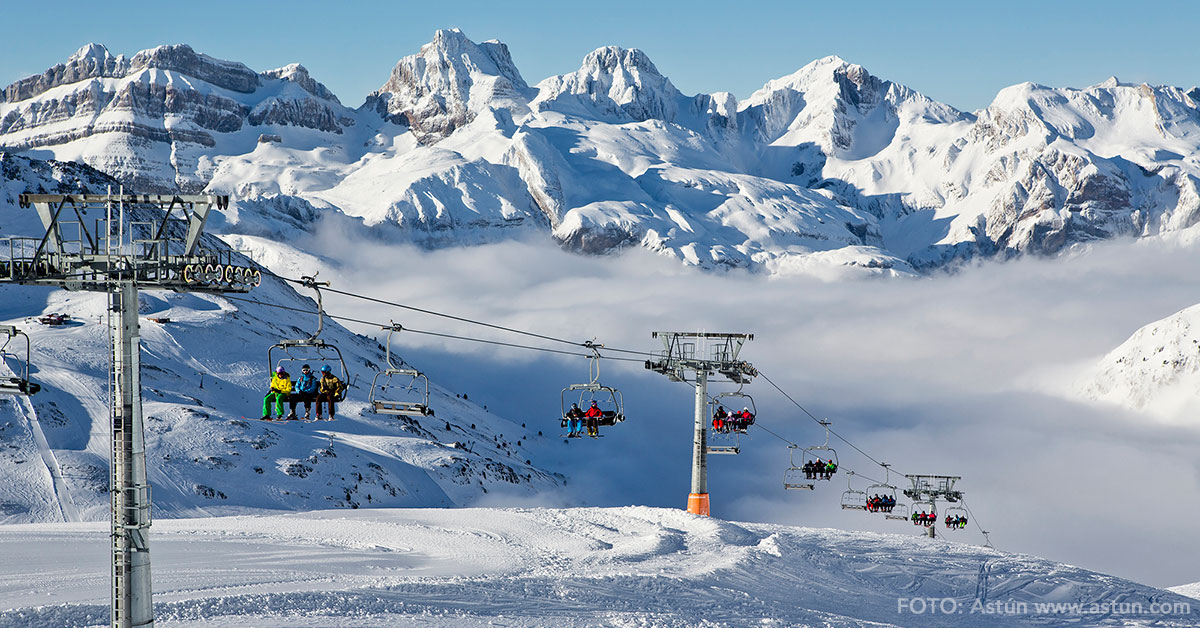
[[610, 400], [927, 506], [311, 349], [19, 383], [853, 499], [793, 477], [727, 440], [885, 490], [953, 512], [819, 453], [747, 403], [393, 407], [724, 442], [899, 513]]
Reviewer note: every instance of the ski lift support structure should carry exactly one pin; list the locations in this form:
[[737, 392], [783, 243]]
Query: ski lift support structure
[[930, 488], [118, 244], [718, 359]]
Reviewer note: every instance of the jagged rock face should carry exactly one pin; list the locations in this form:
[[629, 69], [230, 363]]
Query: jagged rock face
[[447, 84], [613, 83], [156, 119], [94, 61]]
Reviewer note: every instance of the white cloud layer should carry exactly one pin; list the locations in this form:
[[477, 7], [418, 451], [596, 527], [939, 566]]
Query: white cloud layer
[[961, 374]]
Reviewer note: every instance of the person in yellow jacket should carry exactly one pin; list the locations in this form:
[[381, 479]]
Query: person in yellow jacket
[[332, 390], [281, 387]]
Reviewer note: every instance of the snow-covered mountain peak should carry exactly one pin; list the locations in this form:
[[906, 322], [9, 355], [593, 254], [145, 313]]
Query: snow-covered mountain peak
[[839, 107], [448, 83], [1156, 370], [299, 75], [91, 61], [92, 53], [614, 83]]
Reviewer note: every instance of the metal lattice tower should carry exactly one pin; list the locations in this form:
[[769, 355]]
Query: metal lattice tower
[[679, 359], [929, 489], [116, 243]]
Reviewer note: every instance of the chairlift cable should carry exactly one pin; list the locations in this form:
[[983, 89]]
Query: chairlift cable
[[814, 418], [467, 320], [428, 333]]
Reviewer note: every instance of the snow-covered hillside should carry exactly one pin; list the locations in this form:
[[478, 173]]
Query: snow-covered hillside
[[829, 167], [1157, 370], [560, 568], [1191, 590], [203, 372]]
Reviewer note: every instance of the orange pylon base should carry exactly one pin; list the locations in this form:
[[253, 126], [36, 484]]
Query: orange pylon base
[[698, 504]]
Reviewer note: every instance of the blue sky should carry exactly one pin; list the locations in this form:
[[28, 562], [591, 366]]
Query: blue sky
[[956, 52]]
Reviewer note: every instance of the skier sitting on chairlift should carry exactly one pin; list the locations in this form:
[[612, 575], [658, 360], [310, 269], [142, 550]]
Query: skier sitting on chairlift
[[281, 386], [306, 391], [720, 419], [593, 415], [574, 420], [744, 419], [331, 390], [830, 469]]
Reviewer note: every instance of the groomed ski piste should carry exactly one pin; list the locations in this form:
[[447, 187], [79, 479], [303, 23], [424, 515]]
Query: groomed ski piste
[[632, 566]]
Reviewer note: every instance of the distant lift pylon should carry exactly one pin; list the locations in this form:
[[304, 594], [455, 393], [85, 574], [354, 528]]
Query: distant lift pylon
[[395, 407]]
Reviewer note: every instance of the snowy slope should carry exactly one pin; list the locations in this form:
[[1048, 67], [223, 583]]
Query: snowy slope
[[1191, 590], [1156, 370], [203, 372], [827, 168], [562, 568]]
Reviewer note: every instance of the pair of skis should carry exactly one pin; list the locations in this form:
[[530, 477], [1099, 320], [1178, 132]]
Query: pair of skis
[[286, 420]]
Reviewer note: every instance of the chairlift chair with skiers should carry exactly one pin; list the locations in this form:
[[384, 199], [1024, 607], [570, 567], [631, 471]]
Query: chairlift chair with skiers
[[311, 349], [926, 507], [18, 383], [418, 383], [820, 454], [726, 439], [954, 512], [887, 491], [609, 400]]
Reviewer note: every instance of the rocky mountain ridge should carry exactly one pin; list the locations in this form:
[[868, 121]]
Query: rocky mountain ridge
[[830, 167]]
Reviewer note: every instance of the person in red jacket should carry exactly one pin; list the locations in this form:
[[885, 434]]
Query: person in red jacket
[[593, 415]]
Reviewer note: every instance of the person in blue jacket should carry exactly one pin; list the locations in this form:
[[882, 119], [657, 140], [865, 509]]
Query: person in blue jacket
[[305, 390]]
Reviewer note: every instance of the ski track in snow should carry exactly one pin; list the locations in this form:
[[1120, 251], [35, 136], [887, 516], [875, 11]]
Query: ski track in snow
[[62, 492], [631, 566]]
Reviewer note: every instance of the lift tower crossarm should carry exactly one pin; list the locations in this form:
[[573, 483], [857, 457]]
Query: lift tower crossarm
[[678, 359], [930, 488]]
